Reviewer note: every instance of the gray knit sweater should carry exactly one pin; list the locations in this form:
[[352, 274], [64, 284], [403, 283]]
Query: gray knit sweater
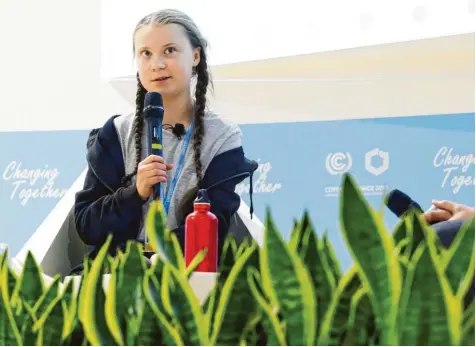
[[220, 136]]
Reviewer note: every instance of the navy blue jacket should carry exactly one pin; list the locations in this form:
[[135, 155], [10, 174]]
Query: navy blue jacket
[[106, 207]]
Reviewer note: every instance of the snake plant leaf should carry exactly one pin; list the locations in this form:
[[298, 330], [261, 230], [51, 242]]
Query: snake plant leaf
[[430, 312], [171, 335], [70, 310], [459, 257], [272, 325], [225, 266], [360, 314], [287, 282], [371, 248], [195, 262], [187, 311], [149, 333], [162, 240], [92, 302], [330, 257], [468, 333], [333, 327], [236, 304], [50, 324], [9, 332], [319, 270], [297, 234], [30, 286], [114, 317]]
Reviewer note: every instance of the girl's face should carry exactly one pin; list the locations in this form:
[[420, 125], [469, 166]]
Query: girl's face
[[165, 58]]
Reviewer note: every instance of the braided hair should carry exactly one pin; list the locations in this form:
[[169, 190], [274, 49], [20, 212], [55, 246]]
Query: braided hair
[[203, 81], [137, 127]]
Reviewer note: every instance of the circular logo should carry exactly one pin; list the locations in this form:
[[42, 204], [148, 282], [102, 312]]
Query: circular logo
[[338, 163]]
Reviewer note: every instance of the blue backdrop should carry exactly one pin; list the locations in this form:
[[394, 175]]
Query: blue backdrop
[[301, 166]]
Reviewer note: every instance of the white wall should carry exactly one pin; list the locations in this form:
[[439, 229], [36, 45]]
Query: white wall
[[50, 66]]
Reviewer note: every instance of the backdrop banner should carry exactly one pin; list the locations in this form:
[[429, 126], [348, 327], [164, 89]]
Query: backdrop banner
[[301, 167]]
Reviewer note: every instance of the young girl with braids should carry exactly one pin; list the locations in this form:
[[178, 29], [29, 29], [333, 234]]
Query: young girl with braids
[[170, 54]]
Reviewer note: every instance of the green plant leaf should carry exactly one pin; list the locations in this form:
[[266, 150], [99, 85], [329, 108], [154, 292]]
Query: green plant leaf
[[459, 260], [225, 266], [50, 325], [30, 286], [92, 302], [70, 310], [325, 247], [9, 332], [113, 317], [149, 333], [430, 311], [273, 327], [170, 333], [333, 327], [188, 312], [360, 314], [319, 270], [163, 242], [297, 234], [468, 332], [195, 262], [288, 284], [371, 248], [236, 304]]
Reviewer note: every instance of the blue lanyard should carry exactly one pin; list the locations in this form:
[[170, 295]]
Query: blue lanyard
[[178, 169]]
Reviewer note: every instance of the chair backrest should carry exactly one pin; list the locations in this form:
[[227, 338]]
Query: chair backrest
[[57, 247]]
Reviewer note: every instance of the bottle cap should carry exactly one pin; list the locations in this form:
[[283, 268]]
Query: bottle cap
[[202, 197]]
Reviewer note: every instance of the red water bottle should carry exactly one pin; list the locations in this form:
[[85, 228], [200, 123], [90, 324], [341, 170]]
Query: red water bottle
[[201, 231]]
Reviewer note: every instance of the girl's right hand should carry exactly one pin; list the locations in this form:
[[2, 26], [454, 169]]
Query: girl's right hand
[[151, 170]]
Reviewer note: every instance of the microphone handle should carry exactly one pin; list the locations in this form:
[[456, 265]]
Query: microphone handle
[[156, 148]]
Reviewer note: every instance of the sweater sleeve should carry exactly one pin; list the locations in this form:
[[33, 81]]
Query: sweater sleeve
[[99, 212], [104, 206]]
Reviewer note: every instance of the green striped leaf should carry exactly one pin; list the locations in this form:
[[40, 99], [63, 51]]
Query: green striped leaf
[[163, 241], [468, 333], [297, 234], [430, 313], [30, 286], [149, 333], [225, 266], [288, 284], [360, 314], [329, 257], [274, 328], [92, 302], [459, 260], [333, 327], [371, 248], [319, 270], [9, 332], [51, 324], [195, 262], [187, 311], [170, 333], [236, 304], [70, 308], [114, 318]]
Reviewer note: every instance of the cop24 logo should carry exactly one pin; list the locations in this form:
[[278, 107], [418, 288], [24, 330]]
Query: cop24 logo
[[377, 161], [338, 163]]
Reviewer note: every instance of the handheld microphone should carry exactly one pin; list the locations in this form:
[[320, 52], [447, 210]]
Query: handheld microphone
[[153, 116], [400, 203]]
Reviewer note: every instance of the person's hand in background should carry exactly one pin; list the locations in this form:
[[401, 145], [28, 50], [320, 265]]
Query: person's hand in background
[[448, 210]]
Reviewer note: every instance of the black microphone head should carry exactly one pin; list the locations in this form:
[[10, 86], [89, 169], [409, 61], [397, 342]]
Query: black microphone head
[[153, 101], [399, 203]]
